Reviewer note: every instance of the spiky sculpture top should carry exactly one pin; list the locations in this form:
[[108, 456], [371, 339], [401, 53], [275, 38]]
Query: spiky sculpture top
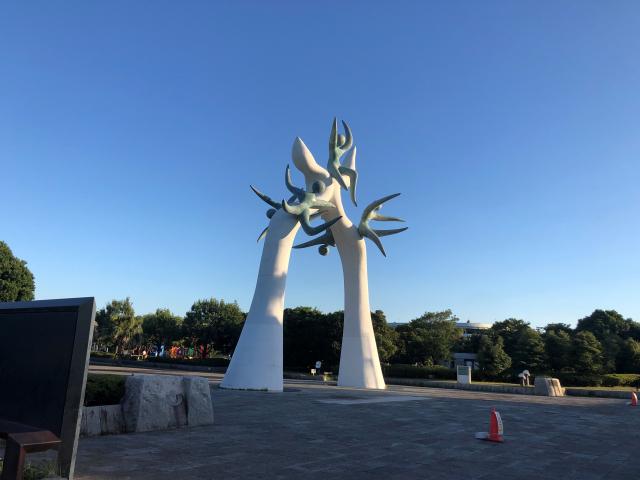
[[307, 205]]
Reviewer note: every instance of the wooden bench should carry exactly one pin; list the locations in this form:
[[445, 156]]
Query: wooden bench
[[20, 440], [44, 357]]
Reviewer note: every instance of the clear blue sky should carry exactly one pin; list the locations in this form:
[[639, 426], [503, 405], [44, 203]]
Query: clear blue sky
[[130, 132]]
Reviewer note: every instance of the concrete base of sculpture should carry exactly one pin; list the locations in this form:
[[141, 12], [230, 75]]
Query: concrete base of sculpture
[[548, 387]]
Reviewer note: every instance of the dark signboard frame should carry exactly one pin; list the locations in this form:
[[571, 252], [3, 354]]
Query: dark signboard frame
[[79, 335]]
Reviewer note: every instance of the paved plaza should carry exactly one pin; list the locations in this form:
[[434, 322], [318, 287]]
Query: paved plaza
[[315, 431]]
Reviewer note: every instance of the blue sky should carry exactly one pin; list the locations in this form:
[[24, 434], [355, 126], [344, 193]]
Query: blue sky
[[130, 132]]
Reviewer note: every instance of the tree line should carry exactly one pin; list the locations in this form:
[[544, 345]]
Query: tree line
[[602, 342], [210, 327]]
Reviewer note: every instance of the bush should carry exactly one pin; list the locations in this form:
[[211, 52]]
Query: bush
[[621, 380], [592, 380], [579, 380], [103, 389], [206, 362], [411, 371], [103, 355]]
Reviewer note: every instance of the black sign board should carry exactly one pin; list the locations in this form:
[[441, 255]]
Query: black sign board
[[44, 354]]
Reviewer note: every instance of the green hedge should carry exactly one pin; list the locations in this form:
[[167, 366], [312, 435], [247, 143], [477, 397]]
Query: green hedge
[[103, 389], [621, 380], [103, 355], [411, 371], [570, 379], [206, 362]]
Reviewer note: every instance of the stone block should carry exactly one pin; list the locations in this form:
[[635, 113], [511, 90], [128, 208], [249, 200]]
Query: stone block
[[101, 420], [153, 402], [548, 387], [160, 402], [198, 396]]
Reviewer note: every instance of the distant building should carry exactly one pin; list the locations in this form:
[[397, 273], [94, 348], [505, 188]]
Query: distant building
[[468, 330]]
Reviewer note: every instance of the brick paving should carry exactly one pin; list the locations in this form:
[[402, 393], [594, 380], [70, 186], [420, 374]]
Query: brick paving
[[316, 431]]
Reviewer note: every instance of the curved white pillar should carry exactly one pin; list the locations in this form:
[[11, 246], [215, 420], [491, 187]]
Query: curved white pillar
[[257, 360], [359, 360]]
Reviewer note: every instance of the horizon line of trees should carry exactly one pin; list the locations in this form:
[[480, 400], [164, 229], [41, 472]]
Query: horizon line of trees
[[602, 342]]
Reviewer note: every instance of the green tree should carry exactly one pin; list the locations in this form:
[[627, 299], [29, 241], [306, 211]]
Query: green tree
[[428, 339], [309, 336], [529, 352], [492, 358], [161, 327], [559, 327], [16, 280], [634, 331], [215, 324], [510, 330], [117, 324], [603, 323], [587, 353], [630, 357], [610, 329], [386, 336], [468, 344], [558, 346]]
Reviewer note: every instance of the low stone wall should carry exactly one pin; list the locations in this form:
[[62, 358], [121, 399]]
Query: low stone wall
[[476, 387], [585, 392], [152, 402], [101, 420]]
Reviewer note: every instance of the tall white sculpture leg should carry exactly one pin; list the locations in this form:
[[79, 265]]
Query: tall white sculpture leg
[[257, 361], [359, 361]]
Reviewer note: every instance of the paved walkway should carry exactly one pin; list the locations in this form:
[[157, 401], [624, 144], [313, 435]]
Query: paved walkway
[[314, 431]]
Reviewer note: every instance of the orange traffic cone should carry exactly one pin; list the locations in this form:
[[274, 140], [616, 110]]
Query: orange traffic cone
[[634, 399], [495, 429]]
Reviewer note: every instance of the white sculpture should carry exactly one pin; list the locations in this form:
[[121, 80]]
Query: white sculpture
[[257, 361]]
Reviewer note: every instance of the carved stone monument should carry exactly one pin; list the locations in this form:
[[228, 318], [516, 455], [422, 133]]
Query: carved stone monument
[[257, 361]]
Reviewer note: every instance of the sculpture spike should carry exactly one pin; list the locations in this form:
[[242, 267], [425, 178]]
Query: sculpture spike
[[385, 233], [291, 209], [265, 198], [383, 218], [325, 239], [371, 213], [349, 137], [371, 235], [310, 230], [375, 204], [353, 180], [262, 234], [333, 136], [297, 192]]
